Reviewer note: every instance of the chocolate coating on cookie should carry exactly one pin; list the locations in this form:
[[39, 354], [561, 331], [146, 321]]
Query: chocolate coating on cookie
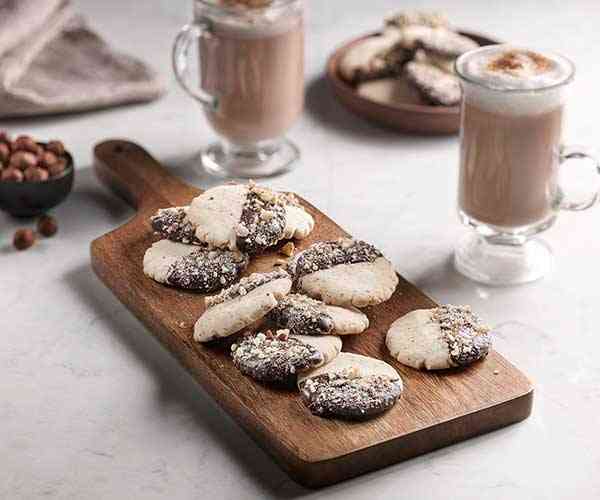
[[172, 224], [347, 397], [262, 222], [467, 337], [244, 286], [302, 316], [434, 84], [327, 254], [274, 358], [207, 270]]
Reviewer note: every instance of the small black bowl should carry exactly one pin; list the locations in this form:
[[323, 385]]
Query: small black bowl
[[27, 199]]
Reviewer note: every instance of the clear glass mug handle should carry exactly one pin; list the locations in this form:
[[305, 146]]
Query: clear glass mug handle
[[578, 190], [189, 34]]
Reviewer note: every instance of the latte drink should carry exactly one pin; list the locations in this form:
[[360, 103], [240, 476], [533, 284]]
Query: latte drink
[[253, 63], [512, 118]]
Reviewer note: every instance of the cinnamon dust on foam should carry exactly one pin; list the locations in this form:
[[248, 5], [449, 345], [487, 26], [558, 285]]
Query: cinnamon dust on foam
[[513, 61]]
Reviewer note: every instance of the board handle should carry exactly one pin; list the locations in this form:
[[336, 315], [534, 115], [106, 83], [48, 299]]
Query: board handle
[[130, 172]]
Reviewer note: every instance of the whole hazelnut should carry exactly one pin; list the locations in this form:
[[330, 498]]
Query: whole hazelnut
[[56, 147], [23, 239], [25, 143], [47, 225], [47, 159], [4, 152], [23, 160], [36, 174], [11, 174], [40, 151], [58, 167]]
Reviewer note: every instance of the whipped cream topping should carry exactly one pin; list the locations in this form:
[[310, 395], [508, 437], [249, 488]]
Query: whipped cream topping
[[504, 67], [513, 80]]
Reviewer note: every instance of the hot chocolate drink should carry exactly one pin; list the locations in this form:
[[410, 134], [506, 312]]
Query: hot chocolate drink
[[510, 135], [253, 63]]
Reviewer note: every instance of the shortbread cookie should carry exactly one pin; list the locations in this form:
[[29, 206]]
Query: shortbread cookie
[[173, 224], [435, 85], [374, 57], [247, 217], [446, 43], [390, 91], [444, 63], [436, 339], [305, 316], [440, 41], [279, 357], [410, 18], [193, 267], [344, 272], [241, 304], [351, 387]]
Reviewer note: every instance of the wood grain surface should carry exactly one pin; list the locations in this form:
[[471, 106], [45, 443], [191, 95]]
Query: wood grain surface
[[435, 410]]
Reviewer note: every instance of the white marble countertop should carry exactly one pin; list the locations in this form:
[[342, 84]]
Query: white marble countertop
[[91, 407]]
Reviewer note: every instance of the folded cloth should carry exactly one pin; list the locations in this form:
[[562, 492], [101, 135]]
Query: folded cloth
[[51, 62]]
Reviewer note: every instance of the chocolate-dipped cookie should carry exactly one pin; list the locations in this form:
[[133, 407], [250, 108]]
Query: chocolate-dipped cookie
[[247, 217], [193, 267], [241, 304], [436, 86], [351, 387], [303, 315], [344, 272], [434, 339], [279, 357]]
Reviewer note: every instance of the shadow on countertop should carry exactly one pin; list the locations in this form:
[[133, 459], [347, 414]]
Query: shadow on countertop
[[322, 105], [175, 388]]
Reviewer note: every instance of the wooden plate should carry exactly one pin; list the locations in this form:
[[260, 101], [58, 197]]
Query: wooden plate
[[435, 410], [405, 117]]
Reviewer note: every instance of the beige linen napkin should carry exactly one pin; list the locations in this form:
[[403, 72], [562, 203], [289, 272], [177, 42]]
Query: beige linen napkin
[[51, 62]]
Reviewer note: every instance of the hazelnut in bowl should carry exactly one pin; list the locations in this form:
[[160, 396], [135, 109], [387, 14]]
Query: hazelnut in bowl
[[34, 176]]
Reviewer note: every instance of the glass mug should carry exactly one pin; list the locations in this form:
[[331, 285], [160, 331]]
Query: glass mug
[[251, 65], [515, 175]]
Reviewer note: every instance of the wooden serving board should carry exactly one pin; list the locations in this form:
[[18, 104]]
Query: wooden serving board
[[435, 410]]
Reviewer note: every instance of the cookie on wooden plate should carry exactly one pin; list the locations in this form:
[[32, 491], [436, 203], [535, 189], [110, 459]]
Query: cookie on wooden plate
[[374, 57], [436, 86], [241, 304], [247, 217], [173, 224], [351, 387], [279, 357], [193, 267], [302, 315], [435, 339], [344, 272]]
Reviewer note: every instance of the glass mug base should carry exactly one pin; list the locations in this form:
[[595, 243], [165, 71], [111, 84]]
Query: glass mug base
[[491, 262], [261, 160]]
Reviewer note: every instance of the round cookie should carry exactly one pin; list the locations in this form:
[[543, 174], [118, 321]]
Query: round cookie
[[351, 387], [173, 224], [305, 316], [436, 339], [193, 267], [241, 304], [374, 57], [279, 357], [247, 217], [435, 85], [344, 272]]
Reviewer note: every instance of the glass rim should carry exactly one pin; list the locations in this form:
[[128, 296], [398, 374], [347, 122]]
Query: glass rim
[[567, 79], [232, 9]]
